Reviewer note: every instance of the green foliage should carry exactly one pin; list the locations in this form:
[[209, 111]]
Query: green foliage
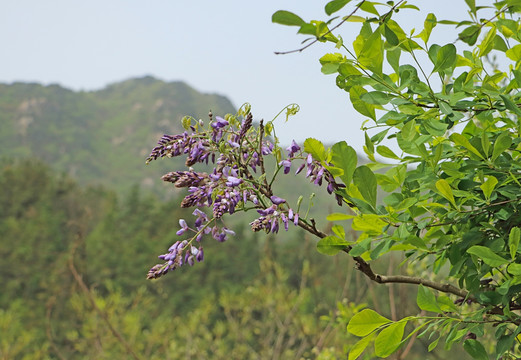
[[221, 305], [451, 199]]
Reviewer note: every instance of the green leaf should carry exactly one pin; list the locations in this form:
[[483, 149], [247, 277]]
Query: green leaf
[[505, 343], [334, 58], [369, 7], [362, 107], [344, 157], [376, 97], [389, 339], [315, 148], [434, 126], [369, 223], [308, 29], [445, 190], [463, 141], [446, 304], [487, 43], [488, 186], [510, 105], [514, 269], [284, 17], [329, 68], [390, 36], [369, 145], [335, 5], [428, 25], [514, 53], [433, 344], [372, 54], [339, 231], [445, 58], [365, 181], [426, 300], [433, 51], [331, 245], [365, 322], [485, 143], [386, 152], [500, 44], [475, 349], [502, 143], [517, 76], [359, 347], [393, 58], [445, 108], [472, 5], [488, 256], [339, 217], [513, 241]]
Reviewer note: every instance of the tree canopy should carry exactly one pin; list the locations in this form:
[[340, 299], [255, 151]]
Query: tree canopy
[[441, 186]]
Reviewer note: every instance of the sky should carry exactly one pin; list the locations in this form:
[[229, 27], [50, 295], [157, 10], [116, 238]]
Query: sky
[[225, 47]]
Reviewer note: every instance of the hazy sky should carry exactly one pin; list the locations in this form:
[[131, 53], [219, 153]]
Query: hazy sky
[[224, 46]]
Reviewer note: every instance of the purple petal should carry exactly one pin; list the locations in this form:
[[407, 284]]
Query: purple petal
[[274, 225], [233, 181], [174, 246], [219, 123], [229, 232], [285, 221], [200, 255], [277, 200], [287, 165], [293, 148]]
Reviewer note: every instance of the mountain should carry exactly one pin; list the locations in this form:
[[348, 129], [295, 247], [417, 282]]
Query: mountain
[[99, 136]]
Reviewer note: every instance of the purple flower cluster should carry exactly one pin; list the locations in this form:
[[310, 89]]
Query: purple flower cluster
[[184, 252], [272, 217], [195, 147], [237, 151], [218, 126], [224, 189], [180, 253], [185, 178], [316, 172]]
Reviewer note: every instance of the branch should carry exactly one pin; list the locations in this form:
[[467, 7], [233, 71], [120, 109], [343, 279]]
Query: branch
[[365, 268]]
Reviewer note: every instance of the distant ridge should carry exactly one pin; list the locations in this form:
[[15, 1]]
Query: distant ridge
[[100, 136]]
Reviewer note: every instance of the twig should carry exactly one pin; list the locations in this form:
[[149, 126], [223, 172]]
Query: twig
[[392, 303], [406, 351], [328, 32], [261, 159]]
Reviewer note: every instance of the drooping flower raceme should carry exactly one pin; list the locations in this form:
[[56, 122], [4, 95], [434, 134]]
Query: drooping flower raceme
[[236, 149]]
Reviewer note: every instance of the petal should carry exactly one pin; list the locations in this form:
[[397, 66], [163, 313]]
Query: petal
[[277, 200]]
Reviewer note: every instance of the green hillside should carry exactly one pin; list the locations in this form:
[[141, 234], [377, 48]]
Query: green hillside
[[99, 136]]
